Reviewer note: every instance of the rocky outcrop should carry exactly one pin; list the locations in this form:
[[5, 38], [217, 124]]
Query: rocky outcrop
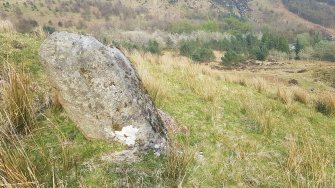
[[101, 91]]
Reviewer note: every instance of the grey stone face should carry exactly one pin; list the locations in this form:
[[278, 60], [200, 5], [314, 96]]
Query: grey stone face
[[101, 91]]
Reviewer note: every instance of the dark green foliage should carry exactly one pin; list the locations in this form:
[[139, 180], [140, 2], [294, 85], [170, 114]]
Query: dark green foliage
[[210, 26], [238, 47], [231, 58], [321, 107], [48, 29], [153, 47], [188, 47], [271, 41], [196, 50], [324, 50], [231, 24], [6, 5], [235, 25], [262, 53], [203, 54]]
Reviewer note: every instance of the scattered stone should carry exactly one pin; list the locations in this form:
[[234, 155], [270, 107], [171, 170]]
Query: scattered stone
[[101, 91], [200, 156]]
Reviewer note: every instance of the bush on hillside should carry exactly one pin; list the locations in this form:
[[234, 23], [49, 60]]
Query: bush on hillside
[[231, 58], [26, 25], [203, 54], [210, 26], [262, 53], [153, 47], [48, 29], [183, 27], [325, 51], [188, 47], [235, 25]]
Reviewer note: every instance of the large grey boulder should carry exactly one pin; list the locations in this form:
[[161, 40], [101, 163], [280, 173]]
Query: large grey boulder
[[101, 91]]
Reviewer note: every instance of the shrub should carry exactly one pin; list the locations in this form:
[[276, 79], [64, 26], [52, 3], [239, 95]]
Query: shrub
[[26, 25], [235, 25], [183, 27], [210, 26], [178, 160], [283, 95], [188, 47], [326, 104], [300, 95], [262, 54], [48, 29], [325, 50], [203, 54], [231, 58], [153, 47]]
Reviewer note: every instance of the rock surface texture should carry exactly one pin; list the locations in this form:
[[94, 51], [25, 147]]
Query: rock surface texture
[[101, 91]]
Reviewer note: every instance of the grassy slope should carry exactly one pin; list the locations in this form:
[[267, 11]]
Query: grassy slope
[[247, 136], [56, 146]]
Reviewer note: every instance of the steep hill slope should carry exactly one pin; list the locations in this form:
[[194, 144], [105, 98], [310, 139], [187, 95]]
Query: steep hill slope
[[317, 11], [104, 15], [275, 15]]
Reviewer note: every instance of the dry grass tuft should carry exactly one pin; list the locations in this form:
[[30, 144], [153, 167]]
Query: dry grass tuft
[[261, 115], [259, 84], [156, 88], [326, 104], [15, 167], [179, 158], [18, 100], [242, 82], [307, 163], [300, 95], [284, 95], [55, 101], [6, 26]]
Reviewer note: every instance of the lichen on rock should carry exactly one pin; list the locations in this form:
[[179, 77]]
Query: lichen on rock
[[101, 91]]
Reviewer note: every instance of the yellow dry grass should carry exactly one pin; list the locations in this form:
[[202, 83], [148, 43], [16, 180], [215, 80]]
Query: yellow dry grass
[[325, 103], [6, 26], [300, 95], [18, 100]]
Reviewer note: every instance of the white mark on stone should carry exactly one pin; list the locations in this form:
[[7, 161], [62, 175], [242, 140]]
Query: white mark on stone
[[127, 135]]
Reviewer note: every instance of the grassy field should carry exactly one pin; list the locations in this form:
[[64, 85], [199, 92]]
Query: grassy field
[[236, 128]]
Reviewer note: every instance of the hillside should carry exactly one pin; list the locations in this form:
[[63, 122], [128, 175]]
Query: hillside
[[319, 12], [286, 17], [244, 127], [247, 88]]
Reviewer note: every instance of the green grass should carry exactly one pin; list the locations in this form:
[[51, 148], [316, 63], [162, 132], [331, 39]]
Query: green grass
[[247, 138], [243, 133]]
